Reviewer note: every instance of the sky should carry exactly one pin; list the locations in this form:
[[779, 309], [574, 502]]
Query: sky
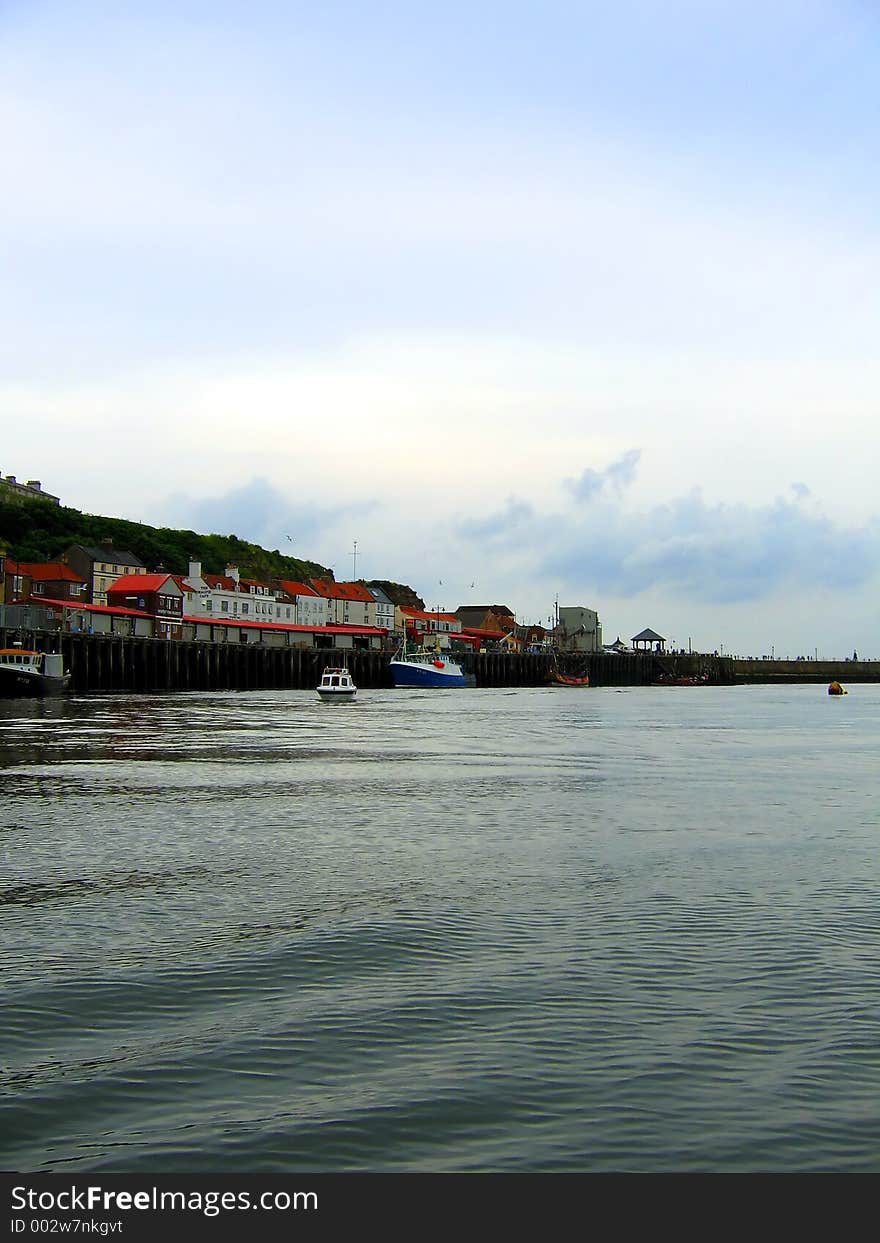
[[516, 303]]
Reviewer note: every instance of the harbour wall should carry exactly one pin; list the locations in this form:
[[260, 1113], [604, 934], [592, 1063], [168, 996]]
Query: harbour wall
[[126, 663], [771, 671]]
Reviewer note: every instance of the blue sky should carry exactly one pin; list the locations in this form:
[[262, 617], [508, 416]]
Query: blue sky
[[561, 300]]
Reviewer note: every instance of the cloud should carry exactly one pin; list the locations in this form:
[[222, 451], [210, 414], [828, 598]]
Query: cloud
[[708, 553], [499, 526], [618, 475], [705, 553], [261, 513]]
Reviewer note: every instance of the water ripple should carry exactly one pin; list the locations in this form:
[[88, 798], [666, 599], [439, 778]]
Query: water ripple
[[489, 931]]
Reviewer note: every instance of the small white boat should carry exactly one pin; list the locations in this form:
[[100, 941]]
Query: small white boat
[[25, 673], [336, 684]]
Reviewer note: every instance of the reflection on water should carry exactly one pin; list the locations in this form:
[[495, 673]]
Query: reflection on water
[[547, 929]]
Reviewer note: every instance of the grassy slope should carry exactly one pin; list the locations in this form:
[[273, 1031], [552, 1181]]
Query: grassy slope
[[32, 530]]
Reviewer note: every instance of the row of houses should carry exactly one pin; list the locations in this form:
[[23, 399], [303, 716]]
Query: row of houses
[[105, 588], [87, 584]]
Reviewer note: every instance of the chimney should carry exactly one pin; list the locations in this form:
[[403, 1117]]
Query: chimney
[[195, 569], [35, 484]]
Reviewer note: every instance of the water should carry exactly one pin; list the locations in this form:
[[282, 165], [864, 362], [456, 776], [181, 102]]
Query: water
[[476, 930]]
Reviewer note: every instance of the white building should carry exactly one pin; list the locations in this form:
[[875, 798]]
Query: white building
[[228, 597], [310, 609], [384, 615], [348, 604]]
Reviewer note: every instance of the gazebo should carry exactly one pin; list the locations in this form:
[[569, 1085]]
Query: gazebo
[[649, 640]]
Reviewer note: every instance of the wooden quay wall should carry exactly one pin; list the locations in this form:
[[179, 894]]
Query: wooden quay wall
[[127, 663]]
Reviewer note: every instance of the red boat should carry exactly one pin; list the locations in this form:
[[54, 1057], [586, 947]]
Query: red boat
[[557, 678]]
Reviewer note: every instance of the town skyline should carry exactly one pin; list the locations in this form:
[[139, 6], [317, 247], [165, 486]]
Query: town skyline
[[312, 577]]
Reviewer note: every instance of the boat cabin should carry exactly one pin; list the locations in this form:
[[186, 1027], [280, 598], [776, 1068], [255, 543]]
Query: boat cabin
[[336, 683]]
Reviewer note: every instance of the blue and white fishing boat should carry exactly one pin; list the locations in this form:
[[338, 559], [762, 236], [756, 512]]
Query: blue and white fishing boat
[[422, 667]]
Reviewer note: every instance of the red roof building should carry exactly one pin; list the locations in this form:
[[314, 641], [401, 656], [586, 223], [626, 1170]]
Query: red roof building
[[293, 588], [38, 580], [347, 603], [423, 621], [159, 595], [311, 608]]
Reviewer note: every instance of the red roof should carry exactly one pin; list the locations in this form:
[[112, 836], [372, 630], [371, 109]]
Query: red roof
[[139, 583], [95, 608], [332, 590], [295, 588], [378, 631], [471, 639], [44, 571]]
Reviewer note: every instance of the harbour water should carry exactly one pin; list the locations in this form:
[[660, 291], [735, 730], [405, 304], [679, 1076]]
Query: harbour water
[[471, 930]]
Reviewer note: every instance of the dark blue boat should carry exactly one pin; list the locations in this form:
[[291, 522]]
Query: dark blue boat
[[425, 668]]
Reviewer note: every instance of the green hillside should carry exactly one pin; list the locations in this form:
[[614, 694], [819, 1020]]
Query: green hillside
[[35, 530], [398, 593]]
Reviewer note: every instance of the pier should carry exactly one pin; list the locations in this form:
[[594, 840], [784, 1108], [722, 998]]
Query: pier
[[128, 663]]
